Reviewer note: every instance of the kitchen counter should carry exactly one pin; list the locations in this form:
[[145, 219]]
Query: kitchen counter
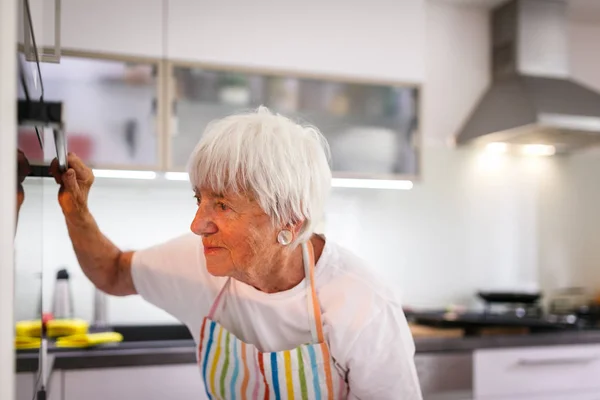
[[138, 352], [468, 344], [128, 354]]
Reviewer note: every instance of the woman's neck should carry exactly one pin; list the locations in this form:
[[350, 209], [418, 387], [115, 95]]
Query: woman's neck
[[288, 271]]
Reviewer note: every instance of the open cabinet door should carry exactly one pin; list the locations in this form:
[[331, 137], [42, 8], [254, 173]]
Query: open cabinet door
[[39, 139], [43, 18]]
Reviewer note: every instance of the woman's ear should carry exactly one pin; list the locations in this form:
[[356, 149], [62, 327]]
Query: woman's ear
[[296, 226]]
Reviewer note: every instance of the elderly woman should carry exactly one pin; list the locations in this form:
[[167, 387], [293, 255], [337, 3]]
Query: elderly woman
[[276, 310]]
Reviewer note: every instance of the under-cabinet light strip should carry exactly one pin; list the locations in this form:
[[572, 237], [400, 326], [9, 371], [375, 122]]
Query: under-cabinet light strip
[[177, 176], [371, 183], [108, 173], [335, 182]]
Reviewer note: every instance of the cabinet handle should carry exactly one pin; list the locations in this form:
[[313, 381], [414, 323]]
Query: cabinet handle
[[556, 361], [51, 55]]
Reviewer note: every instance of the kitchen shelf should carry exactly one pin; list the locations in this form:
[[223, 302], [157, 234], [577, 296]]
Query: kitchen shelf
[[372, 129]]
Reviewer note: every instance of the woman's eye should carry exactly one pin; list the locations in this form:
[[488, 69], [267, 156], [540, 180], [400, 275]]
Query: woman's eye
[[197, 199], [222, 206]]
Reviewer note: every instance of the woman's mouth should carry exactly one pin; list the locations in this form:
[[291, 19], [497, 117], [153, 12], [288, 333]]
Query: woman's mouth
[[211, 250]]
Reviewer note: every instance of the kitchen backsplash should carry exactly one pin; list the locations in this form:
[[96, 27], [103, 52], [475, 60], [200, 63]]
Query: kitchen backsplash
[[473, 221]]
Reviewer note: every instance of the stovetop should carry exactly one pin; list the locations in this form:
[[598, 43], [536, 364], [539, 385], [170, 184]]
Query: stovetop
[[475, 321]]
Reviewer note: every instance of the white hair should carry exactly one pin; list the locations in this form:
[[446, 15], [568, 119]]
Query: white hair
[[284, 164]]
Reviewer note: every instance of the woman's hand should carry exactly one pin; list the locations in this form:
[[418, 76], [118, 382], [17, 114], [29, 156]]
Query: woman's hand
[[75, 184]]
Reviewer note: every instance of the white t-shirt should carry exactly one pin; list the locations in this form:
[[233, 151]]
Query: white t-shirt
[[363, 322]]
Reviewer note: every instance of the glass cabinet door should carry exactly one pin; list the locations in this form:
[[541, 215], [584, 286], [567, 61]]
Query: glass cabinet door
[[29, 235], [371, 128], [110, 110]]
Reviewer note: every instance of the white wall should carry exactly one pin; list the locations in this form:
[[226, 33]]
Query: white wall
[[457, 68], [133, 214], [570, 221], [583, 193], [570, 225]]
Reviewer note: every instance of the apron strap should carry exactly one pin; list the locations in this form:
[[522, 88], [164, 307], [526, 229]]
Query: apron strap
[[217, 301], [308, 256], [314, 310]]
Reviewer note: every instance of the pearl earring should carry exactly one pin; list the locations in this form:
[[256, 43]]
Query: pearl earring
[[284, 237]]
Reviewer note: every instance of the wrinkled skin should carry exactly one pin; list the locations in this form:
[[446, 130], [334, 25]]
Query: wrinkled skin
[[240, 241], [75, 185]]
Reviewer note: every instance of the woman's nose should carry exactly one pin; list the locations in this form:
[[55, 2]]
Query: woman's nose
[[202, 223]]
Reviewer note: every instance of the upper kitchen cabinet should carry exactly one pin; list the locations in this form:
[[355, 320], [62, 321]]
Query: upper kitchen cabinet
[[109, 109], [372, 128], [131, 27], [377, 39]]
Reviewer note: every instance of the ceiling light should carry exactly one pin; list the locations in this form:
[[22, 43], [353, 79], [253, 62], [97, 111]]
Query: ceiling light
[[497, 147], [538, 150]]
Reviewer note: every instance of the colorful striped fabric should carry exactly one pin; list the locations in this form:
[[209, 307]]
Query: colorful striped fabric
[[234, 370]]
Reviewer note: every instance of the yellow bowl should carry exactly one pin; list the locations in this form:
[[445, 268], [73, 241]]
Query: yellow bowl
[[24, 343], [29, 328], [66, 327], [89, 339]]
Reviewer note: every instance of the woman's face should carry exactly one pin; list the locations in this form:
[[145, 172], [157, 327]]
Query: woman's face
[[238, 236]]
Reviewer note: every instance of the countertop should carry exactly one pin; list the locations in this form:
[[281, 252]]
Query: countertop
[[183, 351], [466, 344]]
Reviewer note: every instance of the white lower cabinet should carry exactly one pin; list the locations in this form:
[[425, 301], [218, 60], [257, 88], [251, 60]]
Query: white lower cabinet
[[537, 373], [134, 383], [570, 396], [25, 386]]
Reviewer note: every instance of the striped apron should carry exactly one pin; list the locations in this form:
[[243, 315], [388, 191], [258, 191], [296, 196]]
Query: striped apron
[[232, 369]]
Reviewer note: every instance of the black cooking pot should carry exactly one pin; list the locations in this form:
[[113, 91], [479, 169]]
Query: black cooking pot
[[510, 297]]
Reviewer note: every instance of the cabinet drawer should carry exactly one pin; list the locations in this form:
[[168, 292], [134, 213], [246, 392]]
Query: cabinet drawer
[[25, 386], [173, 382], [564, 396], [536, 370]]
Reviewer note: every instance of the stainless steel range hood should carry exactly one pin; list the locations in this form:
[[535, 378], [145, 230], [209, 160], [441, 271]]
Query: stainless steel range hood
[[532, 98]]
